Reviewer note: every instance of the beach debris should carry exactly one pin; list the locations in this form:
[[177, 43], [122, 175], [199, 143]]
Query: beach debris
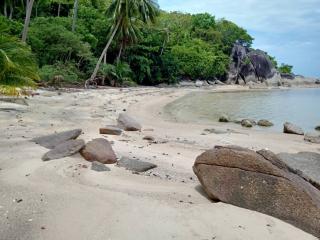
[[64, 149], [265, 123], [99, 150], [52, 140], [99, 167], [292, 129], [224, 118], [128, 123], [135, 165], [312, 137], [110, 130], [259, 181]]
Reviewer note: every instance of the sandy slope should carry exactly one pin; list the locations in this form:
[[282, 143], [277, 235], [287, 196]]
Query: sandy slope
[[63, 200]]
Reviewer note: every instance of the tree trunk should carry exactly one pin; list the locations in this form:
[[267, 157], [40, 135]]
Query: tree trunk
[[11, 11], [5, 9], [94, 74], [120, 52], [105, 59], [75, 15], [27, 20], [59, 8]]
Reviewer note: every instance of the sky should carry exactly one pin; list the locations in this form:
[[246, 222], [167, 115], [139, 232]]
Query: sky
[[286, 29]]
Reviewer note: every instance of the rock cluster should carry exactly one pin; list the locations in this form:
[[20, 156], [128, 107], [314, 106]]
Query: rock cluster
[[260, 181]]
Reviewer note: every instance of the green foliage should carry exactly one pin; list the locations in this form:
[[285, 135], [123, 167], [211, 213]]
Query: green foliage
[[117, 75], [17, 65], [10, 27], [285, 68]]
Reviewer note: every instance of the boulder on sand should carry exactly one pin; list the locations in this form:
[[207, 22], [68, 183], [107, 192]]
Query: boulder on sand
[[224, 118], [292, 129], [64, 149], [247, 123], [135, 165], [265, 123], [260, 181], [313, 137], [99, 150], [52, 140], [111, 130], [99, 167], [128, 123]]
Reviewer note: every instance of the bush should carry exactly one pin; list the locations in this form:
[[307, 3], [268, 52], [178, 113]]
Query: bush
[[59, 74]]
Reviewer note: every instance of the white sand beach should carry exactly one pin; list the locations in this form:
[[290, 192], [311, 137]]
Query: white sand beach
[[64, 199]]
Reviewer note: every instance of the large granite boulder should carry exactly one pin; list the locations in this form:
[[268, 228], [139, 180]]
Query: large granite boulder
[[250, 65], [52, 140], [128, 123], [99, 150], [64, 149], [292, 129], [260, 181]]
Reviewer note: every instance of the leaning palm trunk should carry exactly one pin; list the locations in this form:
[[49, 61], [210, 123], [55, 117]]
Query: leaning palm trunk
[[27, 20], [104, 52]]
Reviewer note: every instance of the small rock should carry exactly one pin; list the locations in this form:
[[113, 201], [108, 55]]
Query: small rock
[[148, 138], [292, 129], [99, 167], [265, 123], [128, 123], [52, 140], [312, 137], [135, 165], [100, 150], [111, 130], [64, 149], [224, 118], [246, 123]]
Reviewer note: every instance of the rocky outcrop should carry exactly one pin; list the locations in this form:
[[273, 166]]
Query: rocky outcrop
[[259, 181], [64, 149], [312, 137], [52, 140], [250, 65], [99, 150], [128, 123], [292, 129]]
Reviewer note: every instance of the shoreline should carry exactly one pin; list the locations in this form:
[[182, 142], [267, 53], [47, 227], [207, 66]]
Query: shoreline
[[74, 202]]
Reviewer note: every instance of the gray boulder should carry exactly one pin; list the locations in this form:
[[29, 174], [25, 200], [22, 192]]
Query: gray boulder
[[110, 130], [260, 181], [99, 167], [313, 137], [292, 129], [64, 149], [265, 123], [135, 165], [128, 123], [52, 140], [317, 128], [99, 150], [224, 118], [248, 123]]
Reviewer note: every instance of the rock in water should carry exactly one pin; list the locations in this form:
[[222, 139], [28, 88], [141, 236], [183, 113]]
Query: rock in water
[[52, 140], [64, 149], [111, 130], [135, 165], [224, 118], [317, 128], [99, 167], [246, 123], [259, 181], [265, 123], [128, 123], [292, 129], [312, 137], [99, 150]]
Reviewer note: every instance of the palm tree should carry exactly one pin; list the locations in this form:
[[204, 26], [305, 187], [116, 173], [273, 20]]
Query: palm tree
[[17, 64], [127, 16]]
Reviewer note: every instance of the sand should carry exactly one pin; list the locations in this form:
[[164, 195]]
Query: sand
[[64, 199]]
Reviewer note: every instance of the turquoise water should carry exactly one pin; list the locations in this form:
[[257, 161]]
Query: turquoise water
[[299, 106]]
